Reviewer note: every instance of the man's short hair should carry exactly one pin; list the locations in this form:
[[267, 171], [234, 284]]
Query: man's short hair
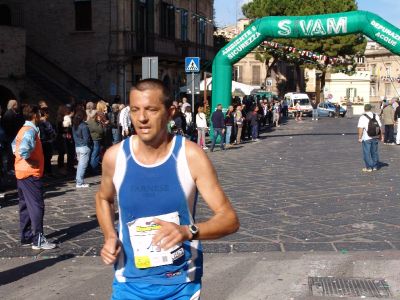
[[29, 111], [151, 83], [367, 107], [11, 103]]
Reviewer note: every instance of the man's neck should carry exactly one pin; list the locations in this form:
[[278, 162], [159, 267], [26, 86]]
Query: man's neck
[[152, 152]]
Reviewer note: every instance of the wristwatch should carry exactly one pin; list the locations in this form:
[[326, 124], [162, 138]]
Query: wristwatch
[[194, 230]]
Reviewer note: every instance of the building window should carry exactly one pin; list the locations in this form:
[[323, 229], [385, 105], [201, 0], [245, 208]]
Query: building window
[[256, 70], [5, 15], [360, 59], [237, 75], [167, 20], [351, 93], [388, 89], [373, 69], [202, 37], [388, 68], [373, 90], [83, 15], [184, 24]]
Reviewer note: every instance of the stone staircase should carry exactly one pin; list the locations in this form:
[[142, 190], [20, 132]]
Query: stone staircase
[[58, 85]]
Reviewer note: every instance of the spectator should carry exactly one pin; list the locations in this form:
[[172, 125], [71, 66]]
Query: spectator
[[349, 109], [68, 139], [337, 110], [229, 120], [189, 125], [388, 121], [12, 121], [252, 119], [47, 136], [239, 123], [276, 114], [97, 135], [397, 121], [114, 124], [314, 105], [102, 106], [179, 122], [125, 122], [90, 111], [42, 104], [185, 104], [298, 111], [218, 123], [369, 142], [81, 133], [201, 124], [29, 165]]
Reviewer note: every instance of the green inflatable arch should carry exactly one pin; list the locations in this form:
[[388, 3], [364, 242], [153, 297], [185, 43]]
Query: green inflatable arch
[[327, 25]]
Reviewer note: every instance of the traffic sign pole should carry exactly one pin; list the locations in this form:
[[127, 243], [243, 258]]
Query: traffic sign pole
[[192, 94]]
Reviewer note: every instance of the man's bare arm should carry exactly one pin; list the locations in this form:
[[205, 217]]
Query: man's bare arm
[[105, 207], [224, 221]]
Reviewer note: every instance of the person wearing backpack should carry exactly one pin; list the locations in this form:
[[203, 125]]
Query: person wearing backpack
[[369, 132]]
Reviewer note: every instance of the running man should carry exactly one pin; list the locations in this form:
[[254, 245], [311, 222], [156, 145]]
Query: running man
[[156, 177]]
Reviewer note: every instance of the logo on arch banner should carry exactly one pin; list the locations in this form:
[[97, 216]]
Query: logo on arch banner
[[243, 41]]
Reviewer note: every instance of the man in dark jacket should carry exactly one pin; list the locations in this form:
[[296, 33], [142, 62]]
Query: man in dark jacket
[[218, 122], [12, 122]]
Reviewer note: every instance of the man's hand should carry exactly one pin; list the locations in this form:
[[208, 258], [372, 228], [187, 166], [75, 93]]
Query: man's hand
[[359, 140], [170, 234], [110, 251]]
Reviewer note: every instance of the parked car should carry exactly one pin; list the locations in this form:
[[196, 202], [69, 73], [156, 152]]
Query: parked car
[[327, 109]]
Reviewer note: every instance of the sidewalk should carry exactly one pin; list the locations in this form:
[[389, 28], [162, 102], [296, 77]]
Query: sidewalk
[[304, 205], [243, 276]]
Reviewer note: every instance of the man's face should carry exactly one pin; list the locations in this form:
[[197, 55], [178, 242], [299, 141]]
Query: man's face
[[149, 115], [219, 107]]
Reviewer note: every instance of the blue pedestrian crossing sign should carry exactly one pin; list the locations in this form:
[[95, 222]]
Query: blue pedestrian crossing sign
[[192, 64]]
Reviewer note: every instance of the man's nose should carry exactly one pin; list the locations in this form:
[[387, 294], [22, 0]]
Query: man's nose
[[143, 116]]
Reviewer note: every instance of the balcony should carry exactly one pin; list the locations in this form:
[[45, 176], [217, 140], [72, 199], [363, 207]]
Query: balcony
[[138, 45]]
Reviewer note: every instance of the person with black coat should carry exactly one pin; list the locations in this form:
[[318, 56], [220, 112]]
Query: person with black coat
[[218, 122]]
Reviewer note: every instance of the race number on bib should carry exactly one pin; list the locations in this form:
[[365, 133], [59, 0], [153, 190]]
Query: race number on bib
[[141, 232]]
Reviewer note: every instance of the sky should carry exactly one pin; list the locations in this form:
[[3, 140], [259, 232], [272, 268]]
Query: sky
[[226, 11]]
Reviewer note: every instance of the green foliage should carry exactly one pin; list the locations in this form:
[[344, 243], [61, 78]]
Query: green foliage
[[347, 47], [220, 41]]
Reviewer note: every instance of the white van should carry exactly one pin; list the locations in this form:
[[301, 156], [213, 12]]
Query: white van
[[305, 103]]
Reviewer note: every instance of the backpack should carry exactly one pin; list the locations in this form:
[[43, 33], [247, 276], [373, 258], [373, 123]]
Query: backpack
[[374, 129]]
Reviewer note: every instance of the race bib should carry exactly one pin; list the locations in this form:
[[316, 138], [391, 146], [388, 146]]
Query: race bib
[[147, 255]]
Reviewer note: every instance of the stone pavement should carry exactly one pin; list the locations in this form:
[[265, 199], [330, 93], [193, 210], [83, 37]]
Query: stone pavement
[[300, 188]]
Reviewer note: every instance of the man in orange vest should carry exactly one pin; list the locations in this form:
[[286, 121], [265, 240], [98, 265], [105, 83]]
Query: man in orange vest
[[29, 165]]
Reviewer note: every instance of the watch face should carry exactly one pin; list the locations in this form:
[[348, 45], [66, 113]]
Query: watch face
[[194, 229]]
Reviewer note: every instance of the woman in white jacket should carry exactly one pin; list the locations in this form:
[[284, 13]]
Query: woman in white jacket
[[201, 124]]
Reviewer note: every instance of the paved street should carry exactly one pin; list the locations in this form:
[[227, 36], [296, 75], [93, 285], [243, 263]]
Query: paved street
[[299, 189]]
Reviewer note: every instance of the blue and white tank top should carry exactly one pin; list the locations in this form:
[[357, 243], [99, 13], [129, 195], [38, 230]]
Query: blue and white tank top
[[152, 190]]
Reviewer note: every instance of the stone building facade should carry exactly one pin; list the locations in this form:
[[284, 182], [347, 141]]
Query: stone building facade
[[90, 49], [384, 68], [12, 51]]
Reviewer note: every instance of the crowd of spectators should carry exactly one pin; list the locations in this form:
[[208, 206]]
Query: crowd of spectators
[[80, 131]]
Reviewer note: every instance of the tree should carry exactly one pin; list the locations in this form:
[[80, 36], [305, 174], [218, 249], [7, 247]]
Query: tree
[[347, 47]]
